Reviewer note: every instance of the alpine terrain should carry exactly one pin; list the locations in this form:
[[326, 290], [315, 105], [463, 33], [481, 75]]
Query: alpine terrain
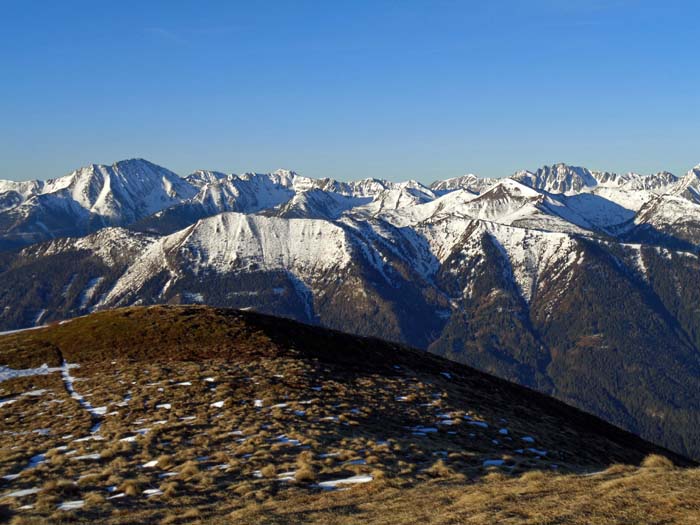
[[193, 414], [577, 283]]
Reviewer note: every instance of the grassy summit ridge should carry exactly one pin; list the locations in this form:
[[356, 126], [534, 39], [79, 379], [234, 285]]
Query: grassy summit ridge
[[179, 414]]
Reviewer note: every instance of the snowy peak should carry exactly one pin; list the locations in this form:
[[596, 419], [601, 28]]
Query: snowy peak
[[505, 197], [655, 182], [147, 197], [469, 182], [128, 190], [202, 177], [689, 185], [395, 198], [317, 204], [512, 188], [634, 181], [511, 203], [125, 191], [559, 178], [508, 202]]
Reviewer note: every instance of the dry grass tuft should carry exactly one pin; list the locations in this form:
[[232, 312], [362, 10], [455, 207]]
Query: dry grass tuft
[[131, 487], [658, 462], [305, 474], [94, 500], [268, 471]]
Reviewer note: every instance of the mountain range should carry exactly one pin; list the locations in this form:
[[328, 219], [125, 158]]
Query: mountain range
[[578, 283]]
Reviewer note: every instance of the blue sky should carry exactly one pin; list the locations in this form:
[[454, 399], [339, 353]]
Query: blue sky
[[398, 89]]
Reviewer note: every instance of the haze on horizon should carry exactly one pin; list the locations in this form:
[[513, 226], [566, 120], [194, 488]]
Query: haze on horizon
[[409, 90]]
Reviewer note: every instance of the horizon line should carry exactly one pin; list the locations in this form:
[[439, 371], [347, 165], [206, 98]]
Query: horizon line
[[298, 173]]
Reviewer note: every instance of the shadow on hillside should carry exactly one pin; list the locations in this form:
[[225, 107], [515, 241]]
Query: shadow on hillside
[[648, 234]]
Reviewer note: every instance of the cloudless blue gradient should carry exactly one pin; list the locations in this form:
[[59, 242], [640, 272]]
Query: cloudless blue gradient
[[350, 89]]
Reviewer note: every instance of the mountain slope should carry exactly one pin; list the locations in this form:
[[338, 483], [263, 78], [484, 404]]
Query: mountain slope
[[161, 408]]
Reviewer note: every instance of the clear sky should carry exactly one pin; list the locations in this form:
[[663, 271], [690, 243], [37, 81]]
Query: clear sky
[[350, 89]]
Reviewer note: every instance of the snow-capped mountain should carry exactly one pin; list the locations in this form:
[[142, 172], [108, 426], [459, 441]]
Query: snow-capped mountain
[[469, 182], [87, 199], [145, 197], [572, 180], [318, 204], [689, 186], [559, 178], [515, 276]]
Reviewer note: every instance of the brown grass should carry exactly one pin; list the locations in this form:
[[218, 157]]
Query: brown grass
[[208, 457], [305, 474], [657, 461], [640, 497]]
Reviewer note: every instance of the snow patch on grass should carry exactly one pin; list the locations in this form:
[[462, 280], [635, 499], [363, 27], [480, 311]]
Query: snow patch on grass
[[332, 484]]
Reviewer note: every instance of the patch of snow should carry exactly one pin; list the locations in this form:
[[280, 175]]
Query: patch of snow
[[39, 316], [84, 457], [18, 330], [332, 484], [87, 295], [71, 505], [282, 438], [193, 297], [21, 493], [69, 381], [287, 476], [36, 460], [9, 373], [38, 392], [424, 430]]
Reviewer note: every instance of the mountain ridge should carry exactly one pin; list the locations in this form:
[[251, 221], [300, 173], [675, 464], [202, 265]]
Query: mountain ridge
[[136, 193], [512, 279], [148, 414]]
